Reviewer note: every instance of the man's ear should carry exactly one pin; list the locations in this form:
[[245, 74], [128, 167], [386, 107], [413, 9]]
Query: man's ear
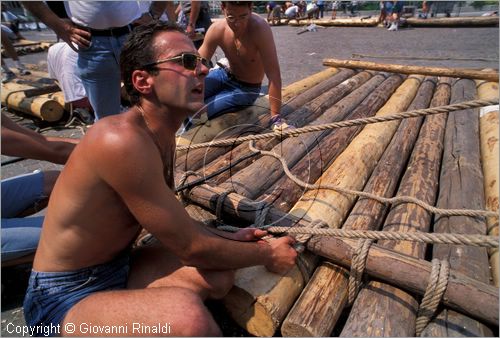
[[141, 80]]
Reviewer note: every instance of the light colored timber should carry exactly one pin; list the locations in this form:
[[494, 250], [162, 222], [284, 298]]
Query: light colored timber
[[407, 69]]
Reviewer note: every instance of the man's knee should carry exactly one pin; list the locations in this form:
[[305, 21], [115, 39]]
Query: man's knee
[[223, 282]]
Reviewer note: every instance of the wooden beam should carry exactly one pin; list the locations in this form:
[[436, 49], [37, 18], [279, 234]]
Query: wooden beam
[[406, 69]]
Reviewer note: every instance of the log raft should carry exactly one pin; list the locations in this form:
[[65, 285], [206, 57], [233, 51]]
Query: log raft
[[380, 156]]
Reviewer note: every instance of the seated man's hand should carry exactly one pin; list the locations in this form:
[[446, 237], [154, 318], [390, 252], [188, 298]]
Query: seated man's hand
[[249, 234], [279, 124], [283, 255]]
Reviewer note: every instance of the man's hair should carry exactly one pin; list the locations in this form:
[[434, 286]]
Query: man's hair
[[237, 3], [138, 50]]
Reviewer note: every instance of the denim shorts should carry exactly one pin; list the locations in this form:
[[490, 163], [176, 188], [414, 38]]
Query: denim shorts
[[51, 295]]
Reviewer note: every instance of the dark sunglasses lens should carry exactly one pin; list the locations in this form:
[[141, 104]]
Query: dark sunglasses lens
[[189, 61]]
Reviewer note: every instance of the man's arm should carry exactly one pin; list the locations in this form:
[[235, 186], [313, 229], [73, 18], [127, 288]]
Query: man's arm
[[63, 28], [271, 65], [157, 8], [210, 42], [193, 17], [155, 207], [23, 142]]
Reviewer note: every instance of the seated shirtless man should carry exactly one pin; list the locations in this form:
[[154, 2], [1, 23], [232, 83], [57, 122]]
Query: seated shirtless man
[[118, 179], [247, 42]]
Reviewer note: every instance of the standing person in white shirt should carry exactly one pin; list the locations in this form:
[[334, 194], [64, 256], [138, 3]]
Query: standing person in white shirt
[[97, 30]]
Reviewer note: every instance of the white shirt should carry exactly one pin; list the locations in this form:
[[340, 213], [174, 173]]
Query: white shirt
[[103, 14], [291, 11], [62, 65]]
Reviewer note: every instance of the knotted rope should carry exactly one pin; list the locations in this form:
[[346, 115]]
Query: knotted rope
[[358, 264]]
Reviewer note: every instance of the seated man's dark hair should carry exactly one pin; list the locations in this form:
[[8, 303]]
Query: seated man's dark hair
[[138, 50]]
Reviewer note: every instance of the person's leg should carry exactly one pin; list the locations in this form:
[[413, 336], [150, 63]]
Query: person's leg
[[20, 237], [215, 82], [230, 99], [154, 267], [98, 67], [22, 192], [174, 311], [11, 52]]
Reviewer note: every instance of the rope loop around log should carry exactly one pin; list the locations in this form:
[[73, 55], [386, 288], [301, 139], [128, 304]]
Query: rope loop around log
[[358, 264], [438, 281], [182, 181]]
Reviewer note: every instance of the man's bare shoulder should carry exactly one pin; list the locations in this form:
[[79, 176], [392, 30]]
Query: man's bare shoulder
[[217, 28], [258, 24]]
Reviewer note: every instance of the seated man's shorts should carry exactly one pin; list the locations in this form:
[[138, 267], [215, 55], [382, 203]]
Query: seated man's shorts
[[51, 295]]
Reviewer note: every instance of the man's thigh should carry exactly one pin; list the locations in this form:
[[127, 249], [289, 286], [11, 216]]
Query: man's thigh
[[230, 100]]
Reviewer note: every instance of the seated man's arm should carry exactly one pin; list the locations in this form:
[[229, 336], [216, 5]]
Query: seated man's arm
[[210, 43], [271, 65], [23, 142], [140, 183]]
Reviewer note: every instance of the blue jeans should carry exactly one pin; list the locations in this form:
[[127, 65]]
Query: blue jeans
[[51, 295], [99, 69], [224, 94], [20, 235]]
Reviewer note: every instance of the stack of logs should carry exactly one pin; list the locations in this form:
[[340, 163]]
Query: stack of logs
[[447, 160], [24, 47]]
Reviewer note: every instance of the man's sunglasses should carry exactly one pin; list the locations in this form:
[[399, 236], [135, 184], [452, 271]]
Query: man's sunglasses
[[187, 60]]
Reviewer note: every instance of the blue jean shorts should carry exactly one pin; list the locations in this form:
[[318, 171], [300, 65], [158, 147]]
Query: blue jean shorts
[[51, 295]]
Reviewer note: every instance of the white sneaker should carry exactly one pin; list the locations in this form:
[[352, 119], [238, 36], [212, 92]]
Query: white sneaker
[[394, 27]]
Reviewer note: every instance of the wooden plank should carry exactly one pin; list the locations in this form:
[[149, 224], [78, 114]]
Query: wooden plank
[[251, 183], [382, 182], [285, 193], [461, 186], [464, 21], [464, 294], [421, 179], [13, 96], [488, 130], [406, 69], [353, 22]]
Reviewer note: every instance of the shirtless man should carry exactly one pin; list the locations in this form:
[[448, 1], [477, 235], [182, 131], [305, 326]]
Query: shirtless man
[[118, 179], [248, 44]]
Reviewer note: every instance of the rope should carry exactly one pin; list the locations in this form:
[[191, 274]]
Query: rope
[[348, 123], [219, 204], [438, 281], [417, 236], [182, 181], [358, 264], [384, 200]]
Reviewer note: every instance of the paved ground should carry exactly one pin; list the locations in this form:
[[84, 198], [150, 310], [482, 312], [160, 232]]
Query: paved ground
[[300, 56]]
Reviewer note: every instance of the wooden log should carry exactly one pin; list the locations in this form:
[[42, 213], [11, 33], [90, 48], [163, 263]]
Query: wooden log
[[207, 132], [197, 158], [464, 21], [285, 193], [377, 300], [251, 183], [464, 294], [488, 131], [406, 69], [13, 96], [382, 182], [461, 186], [353, 22], [304, 113]]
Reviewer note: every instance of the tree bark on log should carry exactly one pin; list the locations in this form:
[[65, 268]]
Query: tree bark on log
[[382, 182], [355, 22], [405, 69], [464, 294], [250, 181], [207, 132], [474, 21], [488, 130], [285, 193], [461, 186], [387, 310], [42, 106], [197, 158], [300, 117]]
